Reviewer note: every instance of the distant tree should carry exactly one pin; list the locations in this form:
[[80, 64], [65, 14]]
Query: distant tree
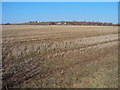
[[52, 23], [105, 24], [7, 24]]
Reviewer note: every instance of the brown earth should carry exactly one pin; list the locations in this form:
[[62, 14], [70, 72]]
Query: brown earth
[[60, 56]]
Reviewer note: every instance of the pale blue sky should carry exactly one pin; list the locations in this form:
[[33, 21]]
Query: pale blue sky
[[60, 0], [18, 12]]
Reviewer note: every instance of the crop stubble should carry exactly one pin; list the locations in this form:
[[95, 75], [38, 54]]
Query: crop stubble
[[59, 56]]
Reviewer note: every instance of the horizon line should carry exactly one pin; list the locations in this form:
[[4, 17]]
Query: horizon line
[[59, 21]]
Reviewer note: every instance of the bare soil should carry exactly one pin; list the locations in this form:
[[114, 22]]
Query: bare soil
[[60, 56]]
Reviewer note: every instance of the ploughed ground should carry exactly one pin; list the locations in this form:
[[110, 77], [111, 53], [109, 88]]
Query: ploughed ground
[[60, 56]]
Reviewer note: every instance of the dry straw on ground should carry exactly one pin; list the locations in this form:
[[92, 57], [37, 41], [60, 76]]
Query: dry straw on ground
[[60, 56]]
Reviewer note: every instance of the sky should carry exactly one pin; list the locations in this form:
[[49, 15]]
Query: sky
[[20, 12], [60, 0]]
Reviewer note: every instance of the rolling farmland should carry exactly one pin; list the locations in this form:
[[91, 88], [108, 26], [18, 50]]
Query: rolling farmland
[[57, 56]]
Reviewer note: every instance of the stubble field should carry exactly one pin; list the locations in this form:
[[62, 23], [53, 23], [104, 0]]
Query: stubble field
[[60, 56]]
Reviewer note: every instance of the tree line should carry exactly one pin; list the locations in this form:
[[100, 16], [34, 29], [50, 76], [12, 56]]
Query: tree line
[[66, 23]]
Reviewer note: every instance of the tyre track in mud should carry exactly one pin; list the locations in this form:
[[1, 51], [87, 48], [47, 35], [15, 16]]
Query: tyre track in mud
[[38, 48], [101, 43], [35, 71]]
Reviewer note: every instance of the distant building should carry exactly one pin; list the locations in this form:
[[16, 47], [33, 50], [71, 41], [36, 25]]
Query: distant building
[[59, 23], [64, 23]]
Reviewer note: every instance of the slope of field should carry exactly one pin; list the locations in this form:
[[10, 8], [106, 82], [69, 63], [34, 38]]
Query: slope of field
[[60, 56]]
